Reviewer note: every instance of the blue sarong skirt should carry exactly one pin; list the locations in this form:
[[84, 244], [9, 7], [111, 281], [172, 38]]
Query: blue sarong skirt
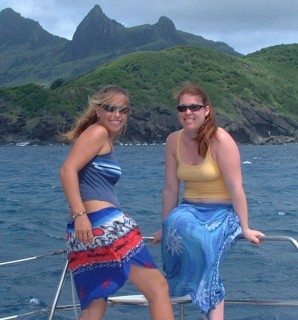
[[195, 236]]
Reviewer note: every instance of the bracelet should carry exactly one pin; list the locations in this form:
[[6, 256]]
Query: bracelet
[[76, 215]]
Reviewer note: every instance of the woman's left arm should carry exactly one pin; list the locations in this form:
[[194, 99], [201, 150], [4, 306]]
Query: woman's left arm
[[228, 157]]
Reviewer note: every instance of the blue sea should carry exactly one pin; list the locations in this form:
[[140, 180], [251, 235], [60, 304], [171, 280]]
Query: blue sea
[[34, 214]]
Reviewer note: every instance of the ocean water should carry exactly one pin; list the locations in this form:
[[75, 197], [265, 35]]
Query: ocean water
[[34, 216]]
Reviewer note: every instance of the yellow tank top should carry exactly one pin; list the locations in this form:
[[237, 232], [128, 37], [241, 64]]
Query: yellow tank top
[[201, 181]]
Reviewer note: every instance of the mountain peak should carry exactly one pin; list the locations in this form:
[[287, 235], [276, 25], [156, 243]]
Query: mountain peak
[[97, 40], [16, 30], [166, 29], [95, 34], [97, 13], [97, 10], [165, 20]]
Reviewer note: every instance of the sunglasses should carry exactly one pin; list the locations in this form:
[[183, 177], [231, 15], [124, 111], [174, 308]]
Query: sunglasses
[[111, 108], [192, 107]]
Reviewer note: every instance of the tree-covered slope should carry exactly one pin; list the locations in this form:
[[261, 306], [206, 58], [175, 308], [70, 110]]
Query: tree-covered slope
[[152, 77], [280, 64], [251, 94]]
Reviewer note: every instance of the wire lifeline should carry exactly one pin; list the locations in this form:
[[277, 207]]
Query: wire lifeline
[[266, 238], [32, 258]]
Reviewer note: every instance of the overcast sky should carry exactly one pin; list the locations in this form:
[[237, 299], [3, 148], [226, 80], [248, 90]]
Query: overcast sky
[[245, 25]]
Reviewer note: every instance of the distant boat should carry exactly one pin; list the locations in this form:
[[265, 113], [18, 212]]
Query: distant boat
[[22, 144]]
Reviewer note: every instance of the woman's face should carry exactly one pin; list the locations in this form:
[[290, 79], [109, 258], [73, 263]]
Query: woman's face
[[192, 119], [113, 116]]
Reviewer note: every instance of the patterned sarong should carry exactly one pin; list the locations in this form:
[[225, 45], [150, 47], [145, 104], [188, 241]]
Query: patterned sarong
[[195, 236], [101, 268]]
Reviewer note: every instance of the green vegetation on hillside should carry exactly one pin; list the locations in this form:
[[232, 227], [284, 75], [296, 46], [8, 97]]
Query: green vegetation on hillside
[[280, 64], [265, 80], [152, 77]]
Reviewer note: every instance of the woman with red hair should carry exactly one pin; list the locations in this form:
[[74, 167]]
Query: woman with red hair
[[213, 212]]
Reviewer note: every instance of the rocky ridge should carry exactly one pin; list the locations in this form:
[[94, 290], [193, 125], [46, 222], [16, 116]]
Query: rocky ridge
[[154, 125]]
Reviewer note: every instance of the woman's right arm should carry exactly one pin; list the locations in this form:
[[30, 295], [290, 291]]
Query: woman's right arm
[[171, 188], [170, 195]]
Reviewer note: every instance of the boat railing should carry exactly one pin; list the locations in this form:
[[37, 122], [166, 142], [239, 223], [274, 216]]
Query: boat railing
[[140, 299]]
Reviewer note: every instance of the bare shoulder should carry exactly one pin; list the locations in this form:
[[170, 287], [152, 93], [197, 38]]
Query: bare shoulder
[[96, 131], [222, 134], [222, 137], [93, 140], [223, 143], [172, 137], [171, 141]]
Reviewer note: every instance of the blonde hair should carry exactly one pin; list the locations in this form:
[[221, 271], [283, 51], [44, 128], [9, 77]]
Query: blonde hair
[[209, 128], [89, 117]]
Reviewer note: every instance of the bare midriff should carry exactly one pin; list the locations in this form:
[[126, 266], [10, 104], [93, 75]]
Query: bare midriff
[[207, 201], [95, 205]]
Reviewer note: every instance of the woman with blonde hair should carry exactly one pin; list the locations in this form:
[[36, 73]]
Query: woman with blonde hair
[[105, 245]]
